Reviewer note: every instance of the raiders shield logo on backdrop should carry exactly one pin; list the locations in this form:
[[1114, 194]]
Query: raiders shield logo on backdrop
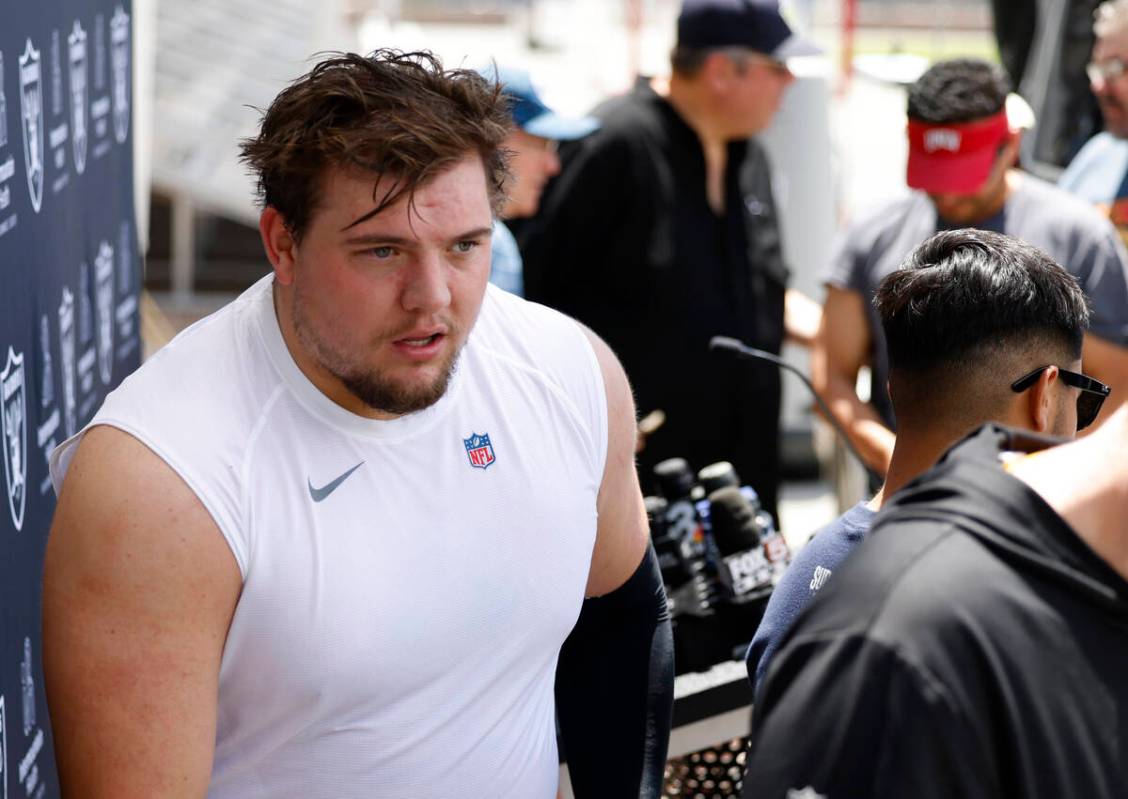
[[27, 684], [66, 361], [119, 60], [3, 752], [13, 413], [3, 107], [76, 49], [104, 307], [31, 107]]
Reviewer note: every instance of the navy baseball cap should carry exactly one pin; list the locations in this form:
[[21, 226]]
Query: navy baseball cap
[[756, 24], [530, 113]]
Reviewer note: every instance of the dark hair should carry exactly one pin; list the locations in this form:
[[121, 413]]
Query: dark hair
[[686, 62], [388, 113], [958, 90], [967, 290]]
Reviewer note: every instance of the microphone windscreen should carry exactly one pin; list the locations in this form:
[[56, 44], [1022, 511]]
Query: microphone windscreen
[[717, 475], [675, 478], [656, 515], [733, 520]]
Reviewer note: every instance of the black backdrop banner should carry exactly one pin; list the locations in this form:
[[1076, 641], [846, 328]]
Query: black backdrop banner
[[69, 324]]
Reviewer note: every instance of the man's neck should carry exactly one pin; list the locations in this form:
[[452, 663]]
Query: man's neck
[[912, 456], [690, 106]]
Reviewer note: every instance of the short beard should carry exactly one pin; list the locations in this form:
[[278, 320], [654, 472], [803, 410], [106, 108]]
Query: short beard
[[370, 387], [382, 395]]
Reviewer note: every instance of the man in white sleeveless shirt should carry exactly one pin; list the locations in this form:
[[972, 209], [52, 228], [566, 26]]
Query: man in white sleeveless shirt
[[348, 536]]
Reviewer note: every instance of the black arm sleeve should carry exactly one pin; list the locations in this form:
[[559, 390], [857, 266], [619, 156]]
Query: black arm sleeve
[[615, 689]]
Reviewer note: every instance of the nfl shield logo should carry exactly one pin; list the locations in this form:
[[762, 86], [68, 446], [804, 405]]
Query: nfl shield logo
[[479, 450], [76, 48], [31, 105], [13, 414], [104, 306], [119, 60]]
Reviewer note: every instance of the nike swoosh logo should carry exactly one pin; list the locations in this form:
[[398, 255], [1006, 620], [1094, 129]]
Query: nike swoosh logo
[[319, 494]]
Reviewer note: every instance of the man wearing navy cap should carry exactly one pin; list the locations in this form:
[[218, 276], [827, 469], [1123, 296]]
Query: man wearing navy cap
[[661, 232], [532, 146]]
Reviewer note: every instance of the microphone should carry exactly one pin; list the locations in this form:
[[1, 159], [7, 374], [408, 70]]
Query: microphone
[[676, 484], [717, 475], [743, 569], [681, 544], [742, 350]]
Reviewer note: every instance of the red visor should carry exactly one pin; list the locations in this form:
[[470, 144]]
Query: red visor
[[956, 158]]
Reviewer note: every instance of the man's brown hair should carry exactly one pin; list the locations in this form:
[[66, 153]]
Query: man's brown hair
[[388, 113]]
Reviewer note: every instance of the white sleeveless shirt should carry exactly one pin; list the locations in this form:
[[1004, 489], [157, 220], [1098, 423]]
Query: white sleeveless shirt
[[407, 584]]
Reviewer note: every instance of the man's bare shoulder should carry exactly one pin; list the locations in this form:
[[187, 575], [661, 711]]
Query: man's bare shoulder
[[117, 488], [139, 588], [622, 535]]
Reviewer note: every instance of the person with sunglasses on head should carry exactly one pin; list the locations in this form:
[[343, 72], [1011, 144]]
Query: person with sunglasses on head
[[1099, 171], [963, 136], [974, 645], [979, 327]]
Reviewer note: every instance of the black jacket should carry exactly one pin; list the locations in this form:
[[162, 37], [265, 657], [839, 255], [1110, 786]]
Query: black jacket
[[973, 646], [626, 242]]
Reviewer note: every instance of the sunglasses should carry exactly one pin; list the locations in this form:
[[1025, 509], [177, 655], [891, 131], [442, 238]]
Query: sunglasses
[[743, 58], [1089, 401], [1104, 71]]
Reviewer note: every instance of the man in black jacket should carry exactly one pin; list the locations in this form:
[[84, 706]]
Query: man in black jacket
[[661, 233], [975, 645]]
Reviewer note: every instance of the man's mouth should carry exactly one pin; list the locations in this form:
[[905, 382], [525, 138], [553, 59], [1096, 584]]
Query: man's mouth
[[420, 342]]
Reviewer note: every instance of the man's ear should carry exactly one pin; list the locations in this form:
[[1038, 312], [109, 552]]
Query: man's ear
[[1040, 400], [1009, 151], [717, 70], [279, 243]]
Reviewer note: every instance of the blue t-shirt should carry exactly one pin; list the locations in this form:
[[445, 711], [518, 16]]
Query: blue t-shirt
[[815, 562], [1099, 174], [506, 268]]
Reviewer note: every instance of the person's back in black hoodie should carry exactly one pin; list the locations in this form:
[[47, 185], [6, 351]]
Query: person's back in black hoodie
[[973, 646]]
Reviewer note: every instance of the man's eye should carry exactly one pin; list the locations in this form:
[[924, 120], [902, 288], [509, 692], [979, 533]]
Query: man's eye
[[382, 252], [465, 246]]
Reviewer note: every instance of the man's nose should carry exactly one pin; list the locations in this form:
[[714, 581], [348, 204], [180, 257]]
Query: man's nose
[[551, 163], [426, 287]]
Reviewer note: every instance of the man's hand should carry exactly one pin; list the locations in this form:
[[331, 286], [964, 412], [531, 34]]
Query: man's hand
[[139, 588]]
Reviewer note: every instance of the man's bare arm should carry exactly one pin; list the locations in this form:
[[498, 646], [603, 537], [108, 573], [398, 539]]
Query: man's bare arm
[[139, 590], [1108, 363], [622, 533], [615, 678], [1086, 482], [841, 349]]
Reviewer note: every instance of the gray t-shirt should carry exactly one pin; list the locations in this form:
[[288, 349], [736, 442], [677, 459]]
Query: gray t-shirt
[[1066, 228]]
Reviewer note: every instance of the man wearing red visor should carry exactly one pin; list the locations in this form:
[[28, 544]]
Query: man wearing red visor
[[963, 149]]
